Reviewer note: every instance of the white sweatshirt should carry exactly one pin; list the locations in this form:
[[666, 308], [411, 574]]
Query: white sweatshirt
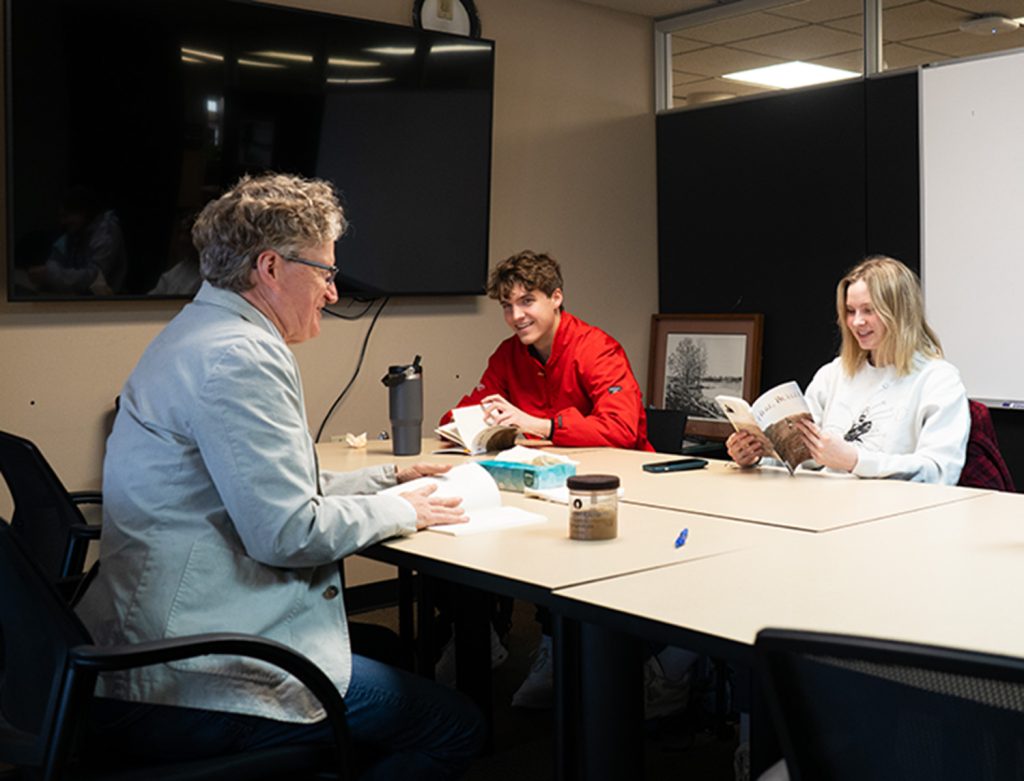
[[913, 427]]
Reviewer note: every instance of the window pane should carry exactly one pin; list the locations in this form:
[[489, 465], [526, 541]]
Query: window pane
[[916, 33], [818, 32]]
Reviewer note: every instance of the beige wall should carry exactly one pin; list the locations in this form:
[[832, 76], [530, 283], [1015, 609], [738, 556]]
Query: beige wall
[[573, 174]]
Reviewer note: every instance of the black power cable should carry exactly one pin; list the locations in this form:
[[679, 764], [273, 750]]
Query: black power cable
[[359, 363]]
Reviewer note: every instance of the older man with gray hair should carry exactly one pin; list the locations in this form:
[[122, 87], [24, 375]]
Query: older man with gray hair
[[217, 518]]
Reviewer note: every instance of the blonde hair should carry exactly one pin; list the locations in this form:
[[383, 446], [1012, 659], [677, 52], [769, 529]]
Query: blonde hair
[[896, 297], [282, 212]]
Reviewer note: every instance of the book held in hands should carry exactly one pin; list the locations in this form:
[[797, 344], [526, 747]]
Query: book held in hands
[[472, 434], [772, 418]]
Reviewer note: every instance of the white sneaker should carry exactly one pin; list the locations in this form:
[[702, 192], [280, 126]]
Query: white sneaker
[[664, 696], [538, 690], [499, 653], [444, 670]]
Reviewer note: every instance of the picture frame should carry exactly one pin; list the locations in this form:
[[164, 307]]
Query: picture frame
[[697, 357]]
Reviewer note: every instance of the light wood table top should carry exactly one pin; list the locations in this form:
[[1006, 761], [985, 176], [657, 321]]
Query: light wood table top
[[810, 501], [542, 555], [949, 575]]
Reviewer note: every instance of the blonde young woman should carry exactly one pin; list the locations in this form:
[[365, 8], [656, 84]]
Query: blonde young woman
[[888, 405]]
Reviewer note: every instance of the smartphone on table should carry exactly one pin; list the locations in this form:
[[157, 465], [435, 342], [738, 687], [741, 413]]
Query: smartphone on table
[[676, 465]]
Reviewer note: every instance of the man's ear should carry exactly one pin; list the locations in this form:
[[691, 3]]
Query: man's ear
[[268, 267], [556, 297]]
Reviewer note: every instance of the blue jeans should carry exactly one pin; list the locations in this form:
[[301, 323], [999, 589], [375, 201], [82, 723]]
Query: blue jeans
[[403, 726]]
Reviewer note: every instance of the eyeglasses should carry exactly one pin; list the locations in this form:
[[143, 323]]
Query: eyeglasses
[[332, 271]]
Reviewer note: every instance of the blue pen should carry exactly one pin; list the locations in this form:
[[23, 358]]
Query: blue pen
[[681, 539]]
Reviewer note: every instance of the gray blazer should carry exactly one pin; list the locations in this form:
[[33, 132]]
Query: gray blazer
[[212, 519]]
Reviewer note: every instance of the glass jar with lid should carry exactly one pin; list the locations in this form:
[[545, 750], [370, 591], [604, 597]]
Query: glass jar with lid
[[593, 507]]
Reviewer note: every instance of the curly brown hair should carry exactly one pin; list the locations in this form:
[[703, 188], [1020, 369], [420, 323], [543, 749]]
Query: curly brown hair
[[532, 270], [282, 212]]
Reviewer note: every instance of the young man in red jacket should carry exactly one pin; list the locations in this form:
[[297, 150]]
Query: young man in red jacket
[[560, 379], [557, 378]]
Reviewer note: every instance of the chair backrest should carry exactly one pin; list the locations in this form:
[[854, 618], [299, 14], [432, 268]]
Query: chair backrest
[[44, 513], [37, 629], [665, 429], [857, 708], [984, 467]]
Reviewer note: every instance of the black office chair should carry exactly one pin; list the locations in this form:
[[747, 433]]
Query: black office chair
[[665, 429], [859, 708], [50, 672], [46, 516]]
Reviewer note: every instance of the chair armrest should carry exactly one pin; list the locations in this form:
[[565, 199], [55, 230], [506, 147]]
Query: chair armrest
[[86, 497], [96, 659]]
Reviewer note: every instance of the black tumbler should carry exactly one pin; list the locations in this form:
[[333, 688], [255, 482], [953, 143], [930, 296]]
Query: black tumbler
[[405, 407]]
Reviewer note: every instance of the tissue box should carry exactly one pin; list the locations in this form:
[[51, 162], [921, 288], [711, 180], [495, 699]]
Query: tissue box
[[512, 476]]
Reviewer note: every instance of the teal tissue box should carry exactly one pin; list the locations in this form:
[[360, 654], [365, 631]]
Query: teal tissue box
[[511, 476]]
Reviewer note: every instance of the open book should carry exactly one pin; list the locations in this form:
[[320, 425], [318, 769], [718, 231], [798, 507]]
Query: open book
[[473, 435], [772, 419], [480, 499]]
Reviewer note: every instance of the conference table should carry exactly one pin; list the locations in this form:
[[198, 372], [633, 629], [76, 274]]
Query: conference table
[[763, 549], [765, 495]]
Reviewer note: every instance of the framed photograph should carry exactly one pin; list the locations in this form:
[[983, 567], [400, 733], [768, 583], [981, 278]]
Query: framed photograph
[[697, 357]]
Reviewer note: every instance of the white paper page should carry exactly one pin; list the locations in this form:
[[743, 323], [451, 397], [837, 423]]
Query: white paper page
[[471, 482], [488, 520], [480, 499], [470, 422]]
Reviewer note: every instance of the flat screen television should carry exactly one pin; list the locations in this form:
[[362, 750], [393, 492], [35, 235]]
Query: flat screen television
[[124, 117]]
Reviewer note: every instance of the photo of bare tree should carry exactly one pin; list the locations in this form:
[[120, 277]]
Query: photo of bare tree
[[700, 367]]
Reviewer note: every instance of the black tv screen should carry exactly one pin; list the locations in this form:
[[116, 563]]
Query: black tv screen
[[124, 117]]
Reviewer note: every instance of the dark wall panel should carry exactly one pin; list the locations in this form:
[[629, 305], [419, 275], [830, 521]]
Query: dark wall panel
[[763, 205]]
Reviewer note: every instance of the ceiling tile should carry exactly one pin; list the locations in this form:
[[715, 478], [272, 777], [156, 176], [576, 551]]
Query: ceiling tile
[[803, 44], [919, 20], [716, 60], [740, 27], [964, 44], [898, 55], [848, 61], [681, 44], [1010, 8], [716, 85], [821, 10]]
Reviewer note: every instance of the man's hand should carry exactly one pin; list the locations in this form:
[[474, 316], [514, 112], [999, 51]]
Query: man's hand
[[434, 511], [498, 411], [420, 470], [827, 449], [744, 448]]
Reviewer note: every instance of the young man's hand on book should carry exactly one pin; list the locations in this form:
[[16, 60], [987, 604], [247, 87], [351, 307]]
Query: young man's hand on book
[[498, 411], [827, 449], [744, 448]]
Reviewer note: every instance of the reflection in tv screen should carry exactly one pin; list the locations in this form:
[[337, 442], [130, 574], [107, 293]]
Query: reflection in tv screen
[[126, 117]]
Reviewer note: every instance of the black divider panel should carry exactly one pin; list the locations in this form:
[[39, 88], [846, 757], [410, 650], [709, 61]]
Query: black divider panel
[[763, 205]]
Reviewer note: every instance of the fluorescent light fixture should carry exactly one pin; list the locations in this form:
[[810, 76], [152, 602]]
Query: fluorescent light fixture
[[193, 60], [443, 48], [394, 51], [381, 80], [346, 62], [788, 75], [202, 54], [287, 56], [259, 63]]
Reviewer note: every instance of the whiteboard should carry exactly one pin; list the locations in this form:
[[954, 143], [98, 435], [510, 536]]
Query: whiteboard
[[972, 211]]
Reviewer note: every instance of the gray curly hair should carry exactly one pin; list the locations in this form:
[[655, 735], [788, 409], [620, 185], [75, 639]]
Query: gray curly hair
[[282, 212]]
